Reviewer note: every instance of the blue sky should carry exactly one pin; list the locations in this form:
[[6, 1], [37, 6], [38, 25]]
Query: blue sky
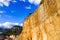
[[14, 11]]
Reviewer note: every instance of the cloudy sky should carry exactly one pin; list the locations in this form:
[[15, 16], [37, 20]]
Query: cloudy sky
[[13, 12]]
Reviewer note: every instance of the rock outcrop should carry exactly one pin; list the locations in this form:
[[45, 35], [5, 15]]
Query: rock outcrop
[[43, 23]]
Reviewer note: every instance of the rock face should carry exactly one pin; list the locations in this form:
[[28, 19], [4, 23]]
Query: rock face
[[43, 23]]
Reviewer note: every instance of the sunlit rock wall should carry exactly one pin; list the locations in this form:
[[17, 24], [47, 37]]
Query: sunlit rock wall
[[40, 25]]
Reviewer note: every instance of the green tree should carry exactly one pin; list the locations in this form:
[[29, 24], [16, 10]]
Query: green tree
[[16, 29]]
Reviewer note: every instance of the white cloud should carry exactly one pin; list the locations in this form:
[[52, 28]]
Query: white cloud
[[1, 4], [21, 24], [8, 24], [34, 1], [28, 7], [1, 12], [0, 25], [6, 2]]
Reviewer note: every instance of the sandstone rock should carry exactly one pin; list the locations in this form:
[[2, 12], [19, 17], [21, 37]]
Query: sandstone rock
[[43, 23]]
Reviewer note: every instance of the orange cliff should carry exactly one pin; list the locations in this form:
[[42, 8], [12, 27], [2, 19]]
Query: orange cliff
[[43, 23]]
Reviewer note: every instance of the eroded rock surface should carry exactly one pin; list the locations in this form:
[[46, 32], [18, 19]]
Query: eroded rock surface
[[42, 24]]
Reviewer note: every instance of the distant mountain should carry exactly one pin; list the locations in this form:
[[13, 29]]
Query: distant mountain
[[1, 30]]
